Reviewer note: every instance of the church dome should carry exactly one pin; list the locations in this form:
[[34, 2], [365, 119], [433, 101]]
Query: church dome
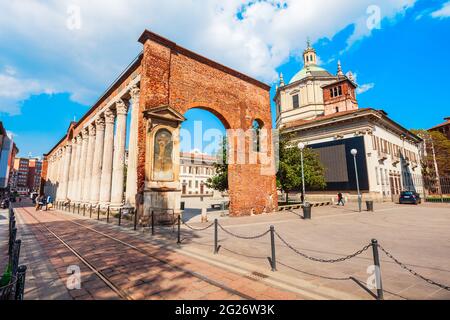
[[311, 70]]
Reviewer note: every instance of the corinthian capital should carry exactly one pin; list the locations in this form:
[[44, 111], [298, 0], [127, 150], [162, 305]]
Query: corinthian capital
[[109, 116], [100, 123], [121, 107], [84, 133], [135, 92], [91, 129]]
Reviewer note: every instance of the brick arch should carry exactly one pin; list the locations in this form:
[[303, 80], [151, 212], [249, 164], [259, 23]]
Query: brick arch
[[180, 79], [215, 110]]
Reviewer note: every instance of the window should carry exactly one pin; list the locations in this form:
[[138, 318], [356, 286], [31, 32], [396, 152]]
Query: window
[[295, 101], [378, 177], [256, 127], [336, 91], [337, 109]]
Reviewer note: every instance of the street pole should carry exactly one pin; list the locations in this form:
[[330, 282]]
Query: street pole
[[354, 152], [301, 146]]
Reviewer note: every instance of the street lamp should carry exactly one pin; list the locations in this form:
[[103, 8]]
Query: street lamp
[[301, 146], [354, 152]]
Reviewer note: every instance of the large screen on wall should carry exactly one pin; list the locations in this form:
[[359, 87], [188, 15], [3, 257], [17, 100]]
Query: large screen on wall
[[339, 166], [334, 160]]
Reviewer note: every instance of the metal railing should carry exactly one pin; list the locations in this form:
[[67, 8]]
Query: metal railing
[[14, 275]]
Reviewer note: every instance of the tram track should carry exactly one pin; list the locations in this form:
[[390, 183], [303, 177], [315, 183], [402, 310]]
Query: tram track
[[122, 294]]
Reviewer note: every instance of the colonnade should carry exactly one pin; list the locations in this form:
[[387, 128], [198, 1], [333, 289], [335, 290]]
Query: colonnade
[[90, 167]]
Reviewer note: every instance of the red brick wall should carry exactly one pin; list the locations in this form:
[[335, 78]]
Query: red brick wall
[[347, 101], [177, 77]]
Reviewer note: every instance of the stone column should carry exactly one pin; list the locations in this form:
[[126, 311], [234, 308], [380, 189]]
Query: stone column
[[97, 162], [131, 188], [119, 154], [82, 167], [89, 161], [105, 182], [59, 175], [76, 172], [50, 180], [70, 188], [65, 175]]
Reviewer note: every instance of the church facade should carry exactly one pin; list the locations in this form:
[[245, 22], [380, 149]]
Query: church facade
[[321, 110]]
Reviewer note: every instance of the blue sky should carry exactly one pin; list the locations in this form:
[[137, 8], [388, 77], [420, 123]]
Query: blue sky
[[47, 81]]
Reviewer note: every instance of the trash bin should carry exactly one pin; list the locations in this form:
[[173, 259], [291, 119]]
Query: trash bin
[[369, 205], [182, 205], [307, 211]]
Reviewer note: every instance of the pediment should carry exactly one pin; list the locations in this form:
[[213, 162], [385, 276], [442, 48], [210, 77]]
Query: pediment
[[164, 112]]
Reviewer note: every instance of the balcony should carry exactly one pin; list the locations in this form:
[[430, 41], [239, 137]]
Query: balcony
[[395, 159], [382, 155]]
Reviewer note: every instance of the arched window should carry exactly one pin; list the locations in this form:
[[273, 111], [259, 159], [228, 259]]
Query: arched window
[[256, 128]]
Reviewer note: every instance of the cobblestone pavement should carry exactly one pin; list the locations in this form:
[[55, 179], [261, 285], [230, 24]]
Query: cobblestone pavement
[[142, 271], [419, 236]]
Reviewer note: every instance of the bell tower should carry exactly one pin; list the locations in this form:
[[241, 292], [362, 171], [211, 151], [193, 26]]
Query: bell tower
[[309, 55]]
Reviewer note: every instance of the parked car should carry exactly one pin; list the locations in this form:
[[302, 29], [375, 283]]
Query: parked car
[[410, 197], [4, 204]]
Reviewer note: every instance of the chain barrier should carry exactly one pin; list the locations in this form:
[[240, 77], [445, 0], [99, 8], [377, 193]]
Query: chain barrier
[[242, 237], [197, 229], [357, 253], [414, 273]]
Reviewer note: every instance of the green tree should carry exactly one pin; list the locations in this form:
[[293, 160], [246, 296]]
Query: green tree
[[289, 175], [220, 179], [441, 145]]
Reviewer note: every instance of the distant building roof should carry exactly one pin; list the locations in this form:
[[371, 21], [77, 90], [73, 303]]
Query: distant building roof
[[446, 123], [344, 114], [198, 156]]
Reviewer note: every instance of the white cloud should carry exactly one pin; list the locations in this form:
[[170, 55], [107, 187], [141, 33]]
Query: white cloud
[[364, 88], [361, 87], [444, 12], [85, 60], [14, 89]]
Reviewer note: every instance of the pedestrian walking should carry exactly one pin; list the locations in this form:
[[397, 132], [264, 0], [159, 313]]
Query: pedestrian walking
[[340, 199]]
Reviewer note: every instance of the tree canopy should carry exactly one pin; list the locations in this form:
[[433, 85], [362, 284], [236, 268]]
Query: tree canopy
[[289, 175], [220, 179]]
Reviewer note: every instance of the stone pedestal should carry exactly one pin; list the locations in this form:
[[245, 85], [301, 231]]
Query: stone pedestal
[[162, 192], [165, 202]]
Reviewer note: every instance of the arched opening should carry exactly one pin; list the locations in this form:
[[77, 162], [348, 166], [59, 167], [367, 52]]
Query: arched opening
[[203, 169], [257, 125]]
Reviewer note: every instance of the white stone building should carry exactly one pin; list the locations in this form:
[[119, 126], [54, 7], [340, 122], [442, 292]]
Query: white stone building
[[321, 110], [195, 169]]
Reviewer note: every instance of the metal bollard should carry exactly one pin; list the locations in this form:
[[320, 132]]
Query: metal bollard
[[135, 218], [12, 239], [120, 216], [90, 211], [272, 244], [376, 262], [78, 209], [84, 209], [107, 215], [179, 230], [20, 285], [153, 223], [98, 212], [216, 235]]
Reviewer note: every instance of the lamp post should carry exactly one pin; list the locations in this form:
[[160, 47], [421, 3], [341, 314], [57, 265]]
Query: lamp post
[[354, 152], [301, 146]]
